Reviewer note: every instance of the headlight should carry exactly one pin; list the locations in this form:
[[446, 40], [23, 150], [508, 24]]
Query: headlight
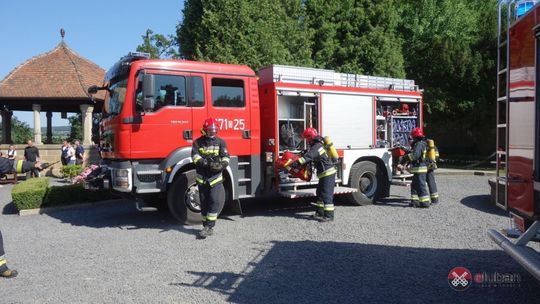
[[121, 172]]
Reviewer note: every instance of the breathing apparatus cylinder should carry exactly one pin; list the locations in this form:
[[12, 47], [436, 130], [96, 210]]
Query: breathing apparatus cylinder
[[330, 149], [431, 150]]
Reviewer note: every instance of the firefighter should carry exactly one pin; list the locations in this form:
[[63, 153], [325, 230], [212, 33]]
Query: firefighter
[[417, 157], [326, 172], [5, 272], [211, 157], [8, 166]]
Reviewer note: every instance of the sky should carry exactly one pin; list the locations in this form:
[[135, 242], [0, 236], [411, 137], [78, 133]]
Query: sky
[[100, 31]]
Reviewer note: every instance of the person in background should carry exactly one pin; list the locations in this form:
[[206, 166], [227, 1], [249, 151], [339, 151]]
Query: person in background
[[63, 156], [5, 272], [79, 153], [71, 155], [11, 152], [31, 154]]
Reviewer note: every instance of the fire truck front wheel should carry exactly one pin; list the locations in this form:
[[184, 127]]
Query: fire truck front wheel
[[367, 180], [183, 199]]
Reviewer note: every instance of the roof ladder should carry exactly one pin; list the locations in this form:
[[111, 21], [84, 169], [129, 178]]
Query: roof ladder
[[506, 13]]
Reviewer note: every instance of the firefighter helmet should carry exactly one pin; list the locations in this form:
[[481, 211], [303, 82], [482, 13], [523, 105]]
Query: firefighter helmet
[[310, 134], [210, 127], [417, 132]]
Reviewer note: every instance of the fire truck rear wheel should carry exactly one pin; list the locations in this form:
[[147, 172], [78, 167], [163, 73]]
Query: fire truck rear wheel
[[366, 178], [183, 199]]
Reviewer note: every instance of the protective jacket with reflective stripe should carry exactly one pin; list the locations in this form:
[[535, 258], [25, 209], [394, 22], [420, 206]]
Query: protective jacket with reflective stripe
[[417, 156], [211, 149], [317, 155]]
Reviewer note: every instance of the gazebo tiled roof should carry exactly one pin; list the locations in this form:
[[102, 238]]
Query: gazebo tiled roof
[[59, 74]]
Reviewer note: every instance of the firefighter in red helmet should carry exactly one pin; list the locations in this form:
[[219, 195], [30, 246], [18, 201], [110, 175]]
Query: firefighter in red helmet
[[326, 172], [418, 159], [210, 155]]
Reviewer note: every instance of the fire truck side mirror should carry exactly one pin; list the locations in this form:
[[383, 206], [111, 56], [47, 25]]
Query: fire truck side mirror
[[93, 89], [148, 92]]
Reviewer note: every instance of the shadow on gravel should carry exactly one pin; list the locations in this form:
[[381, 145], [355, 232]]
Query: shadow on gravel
[[482, 203], [121, 214], [10, 209], [332, 272]]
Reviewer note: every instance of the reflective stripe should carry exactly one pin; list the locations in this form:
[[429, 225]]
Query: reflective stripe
[[301, 160], [212, 216], [414, 197], [410, 156], [204, 218], [287, 163], [327, 172], [424, 199], [2, 262], [319, 204], [199, 179], [321, 151], [434, 195], [19, 166], [215, 181], [209, 151], [226, 159], [422, 169], [196, 158], [329, 207]]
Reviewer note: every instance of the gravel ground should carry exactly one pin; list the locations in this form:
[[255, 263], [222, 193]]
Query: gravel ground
[[385, 253]]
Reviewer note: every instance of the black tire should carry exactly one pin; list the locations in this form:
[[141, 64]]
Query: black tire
[[183, 199], [368, 180]]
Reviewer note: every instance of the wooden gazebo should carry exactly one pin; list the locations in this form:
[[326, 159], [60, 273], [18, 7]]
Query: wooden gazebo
[[56, 81]]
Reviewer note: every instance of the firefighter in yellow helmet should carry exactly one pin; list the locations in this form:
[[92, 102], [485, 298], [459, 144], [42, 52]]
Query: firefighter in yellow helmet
[[210, 155], [326, 172], [417, 158]]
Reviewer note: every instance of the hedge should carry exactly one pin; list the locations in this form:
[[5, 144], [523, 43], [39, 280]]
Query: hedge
[[30, 193], [36, 193]]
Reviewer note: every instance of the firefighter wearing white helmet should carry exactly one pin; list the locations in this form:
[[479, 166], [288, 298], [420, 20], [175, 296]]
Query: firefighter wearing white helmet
[[210, 155], [417, 158], [326, 172]]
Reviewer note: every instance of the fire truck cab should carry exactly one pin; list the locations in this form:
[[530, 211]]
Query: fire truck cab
[[154, 109]]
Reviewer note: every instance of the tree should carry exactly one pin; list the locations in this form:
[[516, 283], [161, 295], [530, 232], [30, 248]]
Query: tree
[[450, 50], [20, 131], [356, 36], [75, 122], [245, 32], [158, 45]]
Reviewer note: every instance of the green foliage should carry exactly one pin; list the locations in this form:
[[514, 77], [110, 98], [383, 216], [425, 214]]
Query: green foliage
[[70, 194], [70, 171], [20, 131], [158, 45], [36, 193], [356, 36], [451, 53], [75, 122], [245, 32], [29, 194]]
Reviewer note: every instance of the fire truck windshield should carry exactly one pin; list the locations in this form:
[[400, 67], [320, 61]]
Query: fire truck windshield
[[114, 100]]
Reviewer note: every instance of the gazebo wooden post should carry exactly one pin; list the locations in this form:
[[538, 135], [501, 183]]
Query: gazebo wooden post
[[37, 124], [86, 111], [49, 128], [6, 126]]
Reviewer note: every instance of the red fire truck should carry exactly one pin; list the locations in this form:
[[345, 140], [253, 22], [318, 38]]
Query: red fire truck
[[154, 109], [517, 184]]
